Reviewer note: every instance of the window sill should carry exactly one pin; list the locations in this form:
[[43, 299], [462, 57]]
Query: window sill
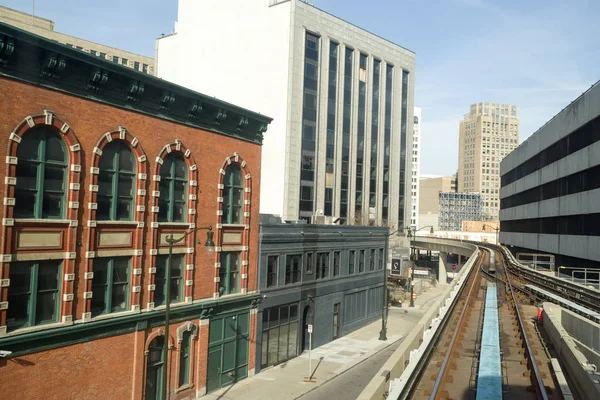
[[234, 225], [184, 387], [112, 315], [116, 222], [178, 304], [177, 224], [42, 221], [37, 328]]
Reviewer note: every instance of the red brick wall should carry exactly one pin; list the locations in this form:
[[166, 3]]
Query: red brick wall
[[91, 370], [89, 121], [117, 364]]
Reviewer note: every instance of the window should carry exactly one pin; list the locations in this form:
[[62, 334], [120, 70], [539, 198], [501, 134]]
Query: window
[[372, 260], [361, 262], [380, 260], [154, 367], [229, 273], [309, 263], [351, 261], [136, 65], [292, 268], [115, 59], [124, 61], [336, 263], [322, 266], [145, 68], [272, 267], [233, 195], [110, 285], [173, 189], [116, 183], [184, 358], [41, 175], [279, 334], [33, 294], [160, 279]]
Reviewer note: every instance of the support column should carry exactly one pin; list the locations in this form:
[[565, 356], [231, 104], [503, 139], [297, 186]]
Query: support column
[[442, 275]]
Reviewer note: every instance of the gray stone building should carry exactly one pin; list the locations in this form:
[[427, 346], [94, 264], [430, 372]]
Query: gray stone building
[[325, 275]]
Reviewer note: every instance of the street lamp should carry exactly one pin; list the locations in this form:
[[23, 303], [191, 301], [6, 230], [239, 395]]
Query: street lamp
[[383, 332], [494, 228], [209, 246], [410, 232]]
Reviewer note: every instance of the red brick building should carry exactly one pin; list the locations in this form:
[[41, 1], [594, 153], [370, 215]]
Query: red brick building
[[102, 164]]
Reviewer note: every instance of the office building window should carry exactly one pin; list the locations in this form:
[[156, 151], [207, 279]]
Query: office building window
[[403, 122], [346, 125], [110, 285], [272, 269], [336, 263], [331, 128], [293, 263], [360, 138], [233, 195], [387, 132], [229, 273], [41, 174], [361, 261], [374, 134], [322, 266], [160, 279], [309, 263], [33, 294], [351, 261]]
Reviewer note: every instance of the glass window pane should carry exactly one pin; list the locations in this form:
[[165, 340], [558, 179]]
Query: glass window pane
[[163, 210], [18, 312], [124, 209], [27, 175], [292, 339], [24, 203], [284, 314], [264, 348], [29, 147], [164, 187], [179, 191], [273, 317], [98, 299], [125, 185], [126, 162], [103, 210], [46, 307], [105, 180], [119, 298], [107, 158], [120, 269], [165, 169], [273, 345], [176, 289], [283, 342], [236, 179], [179, 212], [293, 313], [53, 205], [54, 178], [55, 150], [236, 217], [48, 276], [180, 169]]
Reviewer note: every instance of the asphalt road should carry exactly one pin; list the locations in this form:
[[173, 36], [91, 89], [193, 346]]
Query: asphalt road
[[352, 382]]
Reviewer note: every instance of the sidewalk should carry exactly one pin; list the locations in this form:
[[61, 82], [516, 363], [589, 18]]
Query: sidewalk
[[285, 381]]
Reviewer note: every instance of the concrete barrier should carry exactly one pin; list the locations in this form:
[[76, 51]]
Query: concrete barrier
[[586, 381], [411, 349]]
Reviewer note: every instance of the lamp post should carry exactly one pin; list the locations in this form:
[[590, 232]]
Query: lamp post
[[412, 233], [209, 245], [494, 228], [383, 332]]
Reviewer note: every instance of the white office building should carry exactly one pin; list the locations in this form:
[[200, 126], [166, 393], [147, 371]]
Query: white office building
[[341, 98], [416, 169]]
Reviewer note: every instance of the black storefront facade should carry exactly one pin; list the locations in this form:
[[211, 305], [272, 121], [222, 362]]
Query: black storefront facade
[[327, 276]]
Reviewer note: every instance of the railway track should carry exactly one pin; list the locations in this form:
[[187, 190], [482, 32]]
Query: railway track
[[452, 366]]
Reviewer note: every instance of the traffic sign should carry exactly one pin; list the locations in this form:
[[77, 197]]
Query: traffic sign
[[309, 328], [453, 267]]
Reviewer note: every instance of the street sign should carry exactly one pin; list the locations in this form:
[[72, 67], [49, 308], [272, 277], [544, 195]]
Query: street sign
[[309, 328], [453, 267], [395, 266]]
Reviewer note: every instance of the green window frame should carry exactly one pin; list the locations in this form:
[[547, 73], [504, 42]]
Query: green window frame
[[184, 359], [233, 195], [116, 183], [229, 273], [172, 202], [34, 293], [160, 282], [41, 175], [110, 285]]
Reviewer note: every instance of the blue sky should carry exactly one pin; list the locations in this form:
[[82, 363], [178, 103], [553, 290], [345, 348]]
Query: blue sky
[[537, 54]]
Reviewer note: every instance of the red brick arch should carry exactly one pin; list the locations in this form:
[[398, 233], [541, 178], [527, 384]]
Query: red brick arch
[[235, 159], [123, 135], [73, 147], [192, 202]]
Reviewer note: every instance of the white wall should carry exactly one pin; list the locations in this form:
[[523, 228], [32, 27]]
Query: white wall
[[213, 52]]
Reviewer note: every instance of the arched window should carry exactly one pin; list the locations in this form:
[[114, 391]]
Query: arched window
[[184, 359], [154, 366], [116, 183], [173, 189], [41, 175], [233, 195]]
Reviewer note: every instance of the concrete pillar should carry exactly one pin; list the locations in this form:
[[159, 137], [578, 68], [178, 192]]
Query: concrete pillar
[[442, 276]]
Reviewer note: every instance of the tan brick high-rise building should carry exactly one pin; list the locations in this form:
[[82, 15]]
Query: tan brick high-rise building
[[487, 134]]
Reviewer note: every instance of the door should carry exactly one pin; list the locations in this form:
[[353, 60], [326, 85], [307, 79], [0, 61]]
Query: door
[[227, 350], [154, 369], [336, 321]]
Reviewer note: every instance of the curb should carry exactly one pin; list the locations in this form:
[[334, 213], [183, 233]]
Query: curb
[[365, 358]]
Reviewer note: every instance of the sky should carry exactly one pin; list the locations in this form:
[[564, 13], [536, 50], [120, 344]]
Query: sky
[[537, 54]]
